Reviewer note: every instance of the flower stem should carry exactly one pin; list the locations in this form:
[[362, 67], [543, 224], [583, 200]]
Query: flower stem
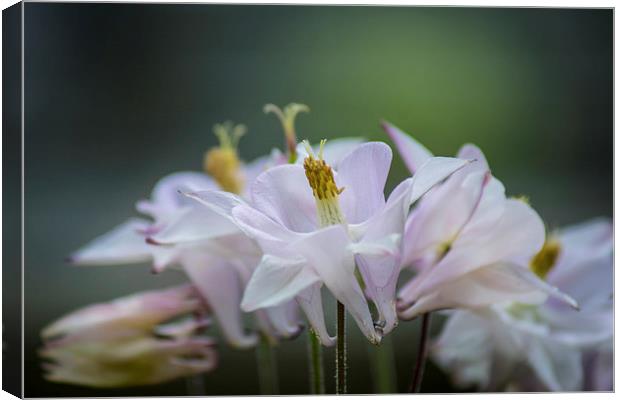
[[195, 385], [341, 351], [383, 369], [315, 357], [267, 367], [418, 370]]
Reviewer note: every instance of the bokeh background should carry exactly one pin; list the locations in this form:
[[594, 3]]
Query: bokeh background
[[118, 95]]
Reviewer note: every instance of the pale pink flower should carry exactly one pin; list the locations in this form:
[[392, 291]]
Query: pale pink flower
[[123, 342]]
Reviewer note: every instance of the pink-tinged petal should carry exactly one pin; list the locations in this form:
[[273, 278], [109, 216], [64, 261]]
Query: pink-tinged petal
[[276, 281], [283, 194], [166, 198], [465, 350], [362, 174], [584, 330], [557, 366], [195, 224], [472, 152], [311, 303], [138, 312], [218, 201], [122, 245], [271, 236], [256, 167], [410, 150], [501, 283], [585, 265], [432, 172], [520, 231], [328, 254], [442, 215], [218, 282], [282, 324]]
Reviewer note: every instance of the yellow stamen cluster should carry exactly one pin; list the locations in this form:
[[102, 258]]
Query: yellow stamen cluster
[[546, 258], [222, 162], [321, 179], [287, 118]]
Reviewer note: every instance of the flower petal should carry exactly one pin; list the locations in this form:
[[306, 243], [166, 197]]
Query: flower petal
[[410, 150], [333, 151], [218, 282], [283, 194], [195, 224], [433, 171], [311, 303], [362, 174], [327, 252], [275, 281], [122, 245]]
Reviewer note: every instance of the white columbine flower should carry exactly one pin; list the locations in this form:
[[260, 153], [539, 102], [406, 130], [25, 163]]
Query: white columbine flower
[[546, 347], [315, 224], [464, 239]]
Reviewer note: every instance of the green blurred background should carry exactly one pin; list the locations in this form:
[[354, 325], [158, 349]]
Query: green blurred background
[[118, 95]]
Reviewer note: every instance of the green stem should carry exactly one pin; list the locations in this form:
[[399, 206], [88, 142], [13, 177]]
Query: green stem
[[383, 369], [315, 357], [195, 385], [418, 370], [267, 367], [341, 351]]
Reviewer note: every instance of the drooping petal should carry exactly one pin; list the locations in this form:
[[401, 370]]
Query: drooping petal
[[311, 303], [410, 150], [363, 173], [556, 365], [218, 282], [122, 245], [327, 252], [283, 194], [276, 281]]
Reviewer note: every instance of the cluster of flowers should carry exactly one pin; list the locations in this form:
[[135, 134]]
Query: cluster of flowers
[[527, 309]]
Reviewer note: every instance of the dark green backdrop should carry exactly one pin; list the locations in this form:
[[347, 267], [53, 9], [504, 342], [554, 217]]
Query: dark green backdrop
[[120, 95]]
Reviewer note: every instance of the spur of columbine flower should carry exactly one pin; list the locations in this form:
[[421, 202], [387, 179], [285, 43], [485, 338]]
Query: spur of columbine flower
[[464, 237], [126, 343], [213, 252], [314, 224], [546, 347]]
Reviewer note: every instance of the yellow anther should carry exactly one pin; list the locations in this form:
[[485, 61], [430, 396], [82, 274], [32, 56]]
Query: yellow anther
[[545, 259], [321, 180], [222, 162], [287, 118]]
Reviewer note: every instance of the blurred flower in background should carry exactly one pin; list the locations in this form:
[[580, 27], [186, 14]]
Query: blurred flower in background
[[548, 347], [126, 343]]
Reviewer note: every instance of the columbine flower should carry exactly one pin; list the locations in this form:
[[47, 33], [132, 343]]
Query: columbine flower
[[464, 238], [549, 347], [123, 343], [214, 253], [313, 224]]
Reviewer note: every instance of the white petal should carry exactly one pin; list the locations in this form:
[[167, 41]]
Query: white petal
[[218, 283], [411, 151], [275, 281], [283, 194], [433, 171], [362, 174], [327, 252], [312, 304], [122, 245], [556, 365]]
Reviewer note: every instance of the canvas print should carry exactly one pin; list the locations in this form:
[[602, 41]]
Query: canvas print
[[280, 199]]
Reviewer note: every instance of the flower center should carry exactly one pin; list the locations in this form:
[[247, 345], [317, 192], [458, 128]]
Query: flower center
[[287, 118], [222, 162], [321, 179], [546, 258]]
